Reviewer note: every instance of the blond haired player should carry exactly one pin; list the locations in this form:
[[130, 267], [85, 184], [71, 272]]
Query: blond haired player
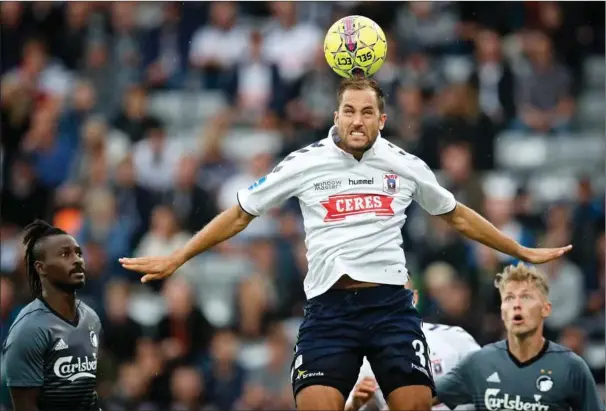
[[448, 345], [353, 188], [525, 371]]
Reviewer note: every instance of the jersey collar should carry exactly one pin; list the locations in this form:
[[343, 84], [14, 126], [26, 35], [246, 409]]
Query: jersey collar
[[333, 138]]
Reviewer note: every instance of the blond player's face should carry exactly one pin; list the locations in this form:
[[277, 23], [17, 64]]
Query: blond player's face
[[523, 308], [359, 119]]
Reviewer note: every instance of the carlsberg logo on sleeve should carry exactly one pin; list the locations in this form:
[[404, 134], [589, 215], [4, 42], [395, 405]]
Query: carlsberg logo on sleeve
[[505, 401], [68, 368]]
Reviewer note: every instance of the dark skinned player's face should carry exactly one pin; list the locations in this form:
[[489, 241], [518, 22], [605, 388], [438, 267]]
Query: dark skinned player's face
[[61, 264]]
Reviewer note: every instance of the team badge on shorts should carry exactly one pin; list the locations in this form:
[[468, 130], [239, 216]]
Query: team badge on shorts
[[391, 183]]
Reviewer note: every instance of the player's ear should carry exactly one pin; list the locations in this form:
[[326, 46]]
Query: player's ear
[[39, 267], [336, 118], [382, 121], [546, 309]]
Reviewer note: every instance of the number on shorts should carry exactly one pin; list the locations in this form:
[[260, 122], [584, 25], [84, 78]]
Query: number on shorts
[[420, 352]]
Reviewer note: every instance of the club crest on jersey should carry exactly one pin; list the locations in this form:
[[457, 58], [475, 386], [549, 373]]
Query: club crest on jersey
[[391, 183], [340, 206], [544, 383]]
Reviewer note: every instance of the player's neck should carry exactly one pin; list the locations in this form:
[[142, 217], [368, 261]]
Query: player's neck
[[64, 303], [526, 347], [356, 154]]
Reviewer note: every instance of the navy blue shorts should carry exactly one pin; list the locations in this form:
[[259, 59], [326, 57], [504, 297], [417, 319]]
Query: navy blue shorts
[[342, 326]]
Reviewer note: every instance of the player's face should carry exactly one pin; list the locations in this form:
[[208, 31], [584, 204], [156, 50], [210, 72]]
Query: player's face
[[523, 308], [62, 265], [359, 120]]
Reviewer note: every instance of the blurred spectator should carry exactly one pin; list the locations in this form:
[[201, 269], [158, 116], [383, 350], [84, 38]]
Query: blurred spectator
[[78, 107], [283, 31], [493, 79], [428, 26], [23, 198], [102, 225], [50, 152], [457, 164], [165, 237], [133, 202], [566, 287], [183, 333], [98, 147], [194, 206], [455, 303], [156, 158], [12, 34], [217, 47], [120, 331], [71, 39], [187, 388], [274, 377], [254, 85], [134, 120], [224, 376], [544, 91], [259, 297], [165, 50], [124, 46], [499, 210], [39, 73]]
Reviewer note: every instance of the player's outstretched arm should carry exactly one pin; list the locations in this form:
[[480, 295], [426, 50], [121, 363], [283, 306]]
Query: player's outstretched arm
[[472, 225], [224, 226]]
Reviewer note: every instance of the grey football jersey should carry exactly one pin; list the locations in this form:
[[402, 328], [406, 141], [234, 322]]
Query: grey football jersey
[[492, 379], [44, 350]]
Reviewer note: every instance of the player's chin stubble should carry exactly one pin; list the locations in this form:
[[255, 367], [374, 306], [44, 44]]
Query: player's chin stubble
[[68, 287]]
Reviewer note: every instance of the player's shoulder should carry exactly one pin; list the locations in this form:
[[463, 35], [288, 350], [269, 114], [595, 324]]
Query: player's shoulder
[[88, 312], [32, 318], [564, 353], [304, 158], [400, 159]]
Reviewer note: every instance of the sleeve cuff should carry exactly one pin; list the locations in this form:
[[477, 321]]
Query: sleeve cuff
[[450, 209], [242, 207]]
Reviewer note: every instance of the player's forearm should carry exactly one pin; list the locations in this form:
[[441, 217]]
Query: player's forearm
[[472, 225], [224, 226]]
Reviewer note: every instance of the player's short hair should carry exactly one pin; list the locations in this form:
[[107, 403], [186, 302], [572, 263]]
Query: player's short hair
[[33, 233], [522, 273], [361, 84]]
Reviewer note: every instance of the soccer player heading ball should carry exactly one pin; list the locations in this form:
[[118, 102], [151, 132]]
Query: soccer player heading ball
[[49, 358], [353, 187]]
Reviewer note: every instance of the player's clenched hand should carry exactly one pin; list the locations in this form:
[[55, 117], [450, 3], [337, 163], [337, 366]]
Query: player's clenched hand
[[543, 255], [154, 268], [363, 392]]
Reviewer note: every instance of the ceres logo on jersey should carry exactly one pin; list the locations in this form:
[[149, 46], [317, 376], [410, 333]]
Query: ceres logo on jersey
[[494, 402], [338, 207], [72, 370]]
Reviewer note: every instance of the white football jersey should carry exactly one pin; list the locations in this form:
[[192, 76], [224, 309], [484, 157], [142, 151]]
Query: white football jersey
[[353, 211], [447, 346]]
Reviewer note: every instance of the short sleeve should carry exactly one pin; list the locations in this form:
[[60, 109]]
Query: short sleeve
[[453, 387], [272, 190], [23, 357], [429, 194], [584, 393]]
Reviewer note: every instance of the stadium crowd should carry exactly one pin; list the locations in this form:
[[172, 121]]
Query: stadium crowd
[[131, 125]]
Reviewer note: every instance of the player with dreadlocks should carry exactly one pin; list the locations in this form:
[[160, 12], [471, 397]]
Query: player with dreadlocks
[[50, 353]]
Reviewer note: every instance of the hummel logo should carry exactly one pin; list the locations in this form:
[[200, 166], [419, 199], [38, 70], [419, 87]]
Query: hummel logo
[[61, 345], [494, 377]]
